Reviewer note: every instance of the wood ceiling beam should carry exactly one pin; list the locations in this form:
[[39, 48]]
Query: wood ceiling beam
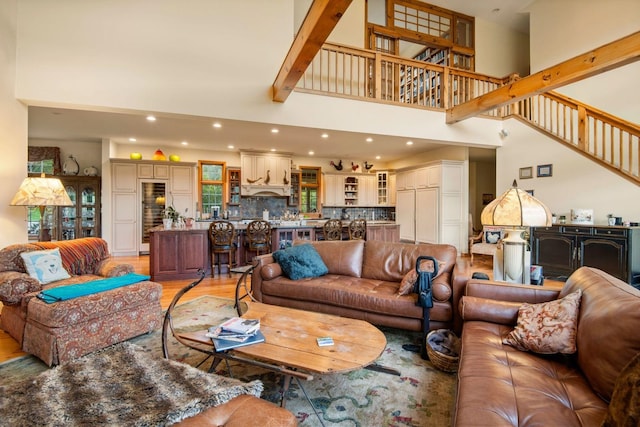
[[321, 19], [612, 55]]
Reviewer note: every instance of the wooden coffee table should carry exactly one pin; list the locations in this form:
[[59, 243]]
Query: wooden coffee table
[[291, 342]]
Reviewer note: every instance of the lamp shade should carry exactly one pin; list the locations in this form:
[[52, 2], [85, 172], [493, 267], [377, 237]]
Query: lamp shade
[[41, 191], [516, 208]]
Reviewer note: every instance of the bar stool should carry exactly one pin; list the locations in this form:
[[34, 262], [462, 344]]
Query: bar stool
[[222, 235], [332, 229], [358, 229], [258, 237]]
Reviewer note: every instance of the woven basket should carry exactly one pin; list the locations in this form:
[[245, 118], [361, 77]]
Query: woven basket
[[440, 360]]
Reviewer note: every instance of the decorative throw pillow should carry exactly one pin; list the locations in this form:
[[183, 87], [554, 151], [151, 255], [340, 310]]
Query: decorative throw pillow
[[409, 280], [300, 261], [45, 266], [547, 328], [492, 236]]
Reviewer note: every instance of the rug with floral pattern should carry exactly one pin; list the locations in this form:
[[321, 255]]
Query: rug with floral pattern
[[420, 396]]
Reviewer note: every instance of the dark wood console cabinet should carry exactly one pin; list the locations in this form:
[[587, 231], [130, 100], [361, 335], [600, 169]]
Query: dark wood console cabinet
[[178, 254], [561, 249]]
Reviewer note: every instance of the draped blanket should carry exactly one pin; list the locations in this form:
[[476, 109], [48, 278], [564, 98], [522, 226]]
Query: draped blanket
[[122, 385], [63, 293]]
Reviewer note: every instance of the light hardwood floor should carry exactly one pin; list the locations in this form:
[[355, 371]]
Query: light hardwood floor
[[222, 286]]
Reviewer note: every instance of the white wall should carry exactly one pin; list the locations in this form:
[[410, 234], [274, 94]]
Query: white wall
[[561, 30], [500, 51], [13, 132], [577, 182]]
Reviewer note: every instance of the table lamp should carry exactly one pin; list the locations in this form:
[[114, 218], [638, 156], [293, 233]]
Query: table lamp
[[41, 192], [515, 210]]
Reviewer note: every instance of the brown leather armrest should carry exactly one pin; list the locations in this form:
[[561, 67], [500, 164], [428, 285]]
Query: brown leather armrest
[[242, 411], [510, 291], [488, 310], [256, 276]]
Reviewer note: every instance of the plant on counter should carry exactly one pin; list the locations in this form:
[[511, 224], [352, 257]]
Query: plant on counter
[[170, 213]]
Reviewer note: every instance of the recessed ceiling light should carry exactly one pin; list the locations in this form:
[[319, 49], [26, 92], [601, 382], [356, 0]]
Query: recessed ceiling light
[[151, 118], [369, 139], [409, 142], [273, 149], [217, 125], [311, 153], [325, 135], [230, 146], [132, 140], [377, 157], [274, 130], [184, 143]]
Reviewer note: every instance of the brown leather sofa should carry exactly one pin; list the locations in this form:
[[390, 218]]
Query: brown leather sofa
[[501, 386], [362, 283]]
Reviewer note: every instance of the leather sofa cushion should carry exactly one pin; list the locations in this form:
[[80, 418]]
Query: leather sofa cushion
[[607, 326], [503, 386], [340, 257]]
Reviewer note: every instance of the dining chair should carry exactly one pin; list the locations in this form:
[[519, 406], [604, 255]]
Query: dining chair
[[222, 236], [358, 229], [332, 229]]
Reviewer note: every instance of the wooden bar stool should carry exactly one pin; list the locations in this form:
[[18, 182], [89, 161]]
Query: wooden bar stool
[[358, 229], [222, 235], [332, 229], [258, 237]]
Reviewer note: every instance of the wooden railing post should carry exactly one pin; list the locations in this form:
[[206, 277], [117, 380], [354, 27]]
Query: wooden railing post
[[377, 76], [446, 97], [582, 128]]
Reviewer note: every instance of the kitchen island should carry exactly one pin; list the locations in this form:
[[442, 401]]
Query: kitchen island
[[178, 253]]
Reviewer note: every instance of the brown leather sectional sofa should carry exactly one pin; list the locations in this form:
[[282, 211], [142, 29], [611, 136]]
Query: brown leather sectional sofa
[[501, 386], [362, 283]]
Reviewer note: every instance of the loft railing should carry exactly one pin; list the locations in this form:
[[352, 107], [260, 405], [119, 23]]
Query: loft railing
[[613, 142], [374, 76], [365, 74]]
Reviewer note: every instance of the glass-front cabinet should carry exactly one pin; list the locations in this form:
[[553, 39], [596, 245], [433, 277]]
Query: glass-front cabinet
[[234, 181], [83, 218]]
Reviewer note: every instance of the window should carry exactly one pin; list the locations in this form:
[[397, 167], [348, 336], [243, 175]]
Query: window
[[211, 185], [309, 189]]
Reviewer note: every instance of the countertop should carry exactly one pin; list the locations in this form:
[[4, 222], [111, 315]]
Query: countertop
[[275, 224]]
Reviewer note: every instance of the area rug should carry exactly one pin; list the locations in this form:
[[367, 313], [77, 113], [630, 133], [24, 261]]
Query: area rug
[[120, 385], [421, 396]]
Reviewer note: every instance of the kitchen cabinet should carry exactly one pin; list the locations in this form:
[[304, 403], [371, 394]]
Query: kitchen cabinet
[[333, 190], [383, 189], [139, 192], [265, 172], [294, 198], [383, 232], [83, 218], [434, 210], [283, 237], [351, 190], [178, 254], [234, 178], [406, 180], [368, 190], [562, 249]]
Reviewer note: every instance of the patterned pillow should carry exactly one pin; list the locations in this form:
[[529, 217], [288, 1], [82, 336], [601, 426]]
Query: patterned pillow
[[547, 328], [300, 261], [45, 266], [624, 408], [492, 234], [409, 280]]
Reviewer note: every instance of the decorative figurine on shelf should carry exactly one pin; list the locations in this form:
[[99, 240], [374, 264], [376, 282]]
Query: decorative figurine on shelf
[[158, 155], [253, 181], [268, 178], [354, 166], [367, 166], [71, 166], [337, 166], [285, 181]]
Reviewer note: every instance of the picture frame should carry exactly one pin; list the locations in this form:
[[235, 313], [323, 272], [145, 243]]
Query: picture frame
[[526, 173], [545, 170], [582, 216]]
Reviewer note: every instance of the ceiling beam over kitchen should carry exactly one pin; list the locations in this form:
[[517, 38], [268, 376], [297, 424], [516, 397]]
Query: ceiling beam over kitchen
[[613, 55], [321, 19]]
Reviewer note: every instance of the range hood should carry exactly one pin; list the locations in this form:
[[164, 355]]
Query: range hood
[[265, 190]]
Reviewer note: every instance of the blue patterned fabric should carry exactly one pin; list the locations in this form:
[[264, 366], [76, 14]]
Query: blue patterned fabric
[[300, 261]]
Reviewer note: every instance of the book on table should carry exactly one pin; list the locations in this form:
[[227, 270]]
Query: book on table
[[224, 344]]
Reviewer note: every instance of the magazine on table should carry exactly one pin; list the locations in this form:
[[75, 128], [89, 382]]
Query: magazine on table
[[235, 329], [224, 344]]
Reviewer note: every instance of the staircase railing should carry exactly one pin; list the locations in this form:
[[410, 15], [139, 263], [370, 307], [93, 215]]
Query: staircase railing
[[365, 74], [613, 142]]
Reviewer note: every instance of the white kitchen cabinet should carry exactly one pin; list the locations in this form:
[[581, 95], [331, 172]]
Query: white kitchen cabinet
[[392, 189], [435, 211], [124, 177], [333, 190], [406, 180], [124, 224], [368, 190], [265, 172], [153, 171]]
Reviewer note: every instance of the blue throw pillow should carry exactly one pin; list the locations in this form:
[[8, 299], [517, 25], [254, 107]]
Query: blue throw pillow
[[300, 261]]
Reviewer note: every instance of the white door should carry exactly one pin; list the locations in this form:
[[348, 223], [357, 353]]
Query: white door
[[405, 214]]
